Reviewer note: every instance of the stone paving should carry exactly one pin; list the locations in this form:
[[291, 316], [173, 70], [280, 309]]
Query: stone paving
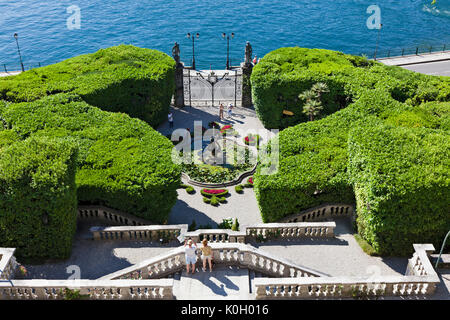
[[241, 206]]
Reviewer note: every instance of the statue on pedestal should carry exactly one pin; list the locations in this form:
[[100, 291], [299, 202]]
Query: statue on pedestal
[[248, 53]]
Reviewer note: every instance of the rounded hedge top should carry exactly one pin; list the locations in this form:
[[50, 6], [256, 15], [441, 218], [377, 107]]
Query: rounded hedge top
[[122, 162], [314, 158]]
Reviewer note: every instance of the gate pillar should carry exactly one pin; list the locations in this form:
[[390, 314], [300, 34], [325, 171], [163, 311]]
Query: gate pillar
[[179, 86], [247, 68]]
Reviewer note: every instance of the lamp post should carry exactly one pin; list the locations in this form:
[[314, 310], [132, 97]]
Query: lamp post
[[16, 36], [378, 40], [225, 36], [193, 46]]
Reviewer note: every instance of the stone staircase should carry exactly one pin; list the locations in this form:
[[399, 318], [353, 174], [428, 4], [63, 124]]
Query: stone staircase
[[223, 283]]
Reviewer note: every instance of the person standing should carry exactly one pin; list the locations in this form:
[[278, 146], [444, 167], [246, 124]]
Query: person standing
[[255, 60], [170, 118], [230, 110], [206, 255], [221, 111], [190, 255]]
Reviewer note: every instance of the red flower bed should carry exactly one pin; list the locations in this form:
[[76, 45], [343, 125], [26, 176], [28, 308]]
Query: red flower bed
[[214, 192], [228, 126], [250, 180]]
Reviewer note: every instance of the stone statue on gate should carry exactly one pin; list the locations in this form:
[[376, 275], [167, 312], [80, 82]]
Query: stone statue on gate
[[248, 53], [176, 53]]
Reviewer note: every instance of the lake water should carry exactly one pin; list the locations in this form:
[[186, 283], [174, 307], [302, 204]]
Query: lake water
[[338, 25]]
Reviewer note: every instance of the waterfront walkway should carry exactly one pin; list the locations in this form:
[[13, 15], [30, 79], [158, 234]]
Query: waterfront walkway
[[437, 64]]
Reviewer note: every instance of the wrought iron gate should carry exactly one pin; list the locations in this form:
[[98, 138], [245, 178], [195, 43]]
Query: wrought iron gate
[[211, 88]]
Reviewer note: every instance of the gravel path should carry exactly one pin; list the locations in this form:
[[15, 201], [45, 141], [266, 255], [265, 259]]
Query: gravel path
[[191, 207], [97, 258], [340, 256]]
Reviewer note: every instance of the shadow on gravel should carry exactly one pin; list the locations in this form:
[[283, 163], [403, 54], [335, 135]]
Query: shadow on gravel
[[93, 259], [182, 213]]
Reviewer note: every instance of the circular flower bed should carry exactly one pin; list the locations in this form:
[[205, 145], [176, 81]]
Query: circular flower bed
[[205, 166]]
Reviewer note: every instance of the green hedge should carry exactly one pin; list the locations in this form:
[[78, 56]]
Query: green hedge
[[123, 163], [37, 179], [286, 72], [136, 81], [403, 196], [314, 159]]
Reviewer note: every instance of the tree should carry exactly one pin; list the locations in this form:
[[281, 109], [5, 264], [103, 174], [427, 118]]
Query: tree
[[313, 104]]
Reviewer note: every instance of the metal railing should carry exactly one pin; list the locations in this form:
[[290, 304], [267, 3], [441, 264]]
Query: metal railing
[[400, 52], [13, 67]]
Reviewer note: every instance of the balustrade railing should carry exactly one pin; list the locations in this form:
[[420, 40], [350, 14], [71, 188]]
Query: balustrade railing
[[266, 231], [291, 230], [163, 233], [420, 279], [110, 215], [320, 213], [87, 289], [237, 254]]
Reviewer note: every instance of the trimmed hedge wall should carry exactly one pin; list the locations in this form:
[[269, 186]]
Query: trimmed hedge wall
[[286, 72], [403, 197], [38, 198], [136, 81], [314, 160], [122, 162]]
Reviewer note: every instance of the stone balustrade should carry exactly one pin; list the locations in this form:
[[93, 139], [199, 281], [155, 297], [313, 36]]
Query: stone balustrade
[[164, 233], [216, 235], [342, 287], [420, 279], [8, 263], [154, 268], [236, 254], [111, 215], [322, 212], [89, 289], [291, 230], [267, 231]]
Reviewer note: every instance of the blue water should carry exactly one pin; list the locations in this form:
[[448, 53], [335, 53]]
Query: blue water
[[267, 24]]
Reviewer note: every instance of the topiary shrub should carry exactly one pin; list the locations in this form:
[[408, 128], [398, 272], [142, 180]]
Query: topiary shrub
[[38, 200], [314, 158], [214, 201], [402, 196], [190, 190], [123, 163], [239, 188], [136, 81]]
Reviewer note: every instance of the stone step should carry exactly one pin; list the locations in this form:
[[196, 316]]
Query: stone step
[[222, 283]]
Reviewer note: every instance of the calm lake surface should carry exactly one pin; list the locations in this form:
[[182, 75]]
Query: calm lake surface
[[338, 25]]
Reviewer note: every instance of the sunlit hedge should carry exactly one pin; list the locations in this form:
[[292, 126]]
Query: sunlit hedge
[[38, 198], [122, 162], [136, 81], [314, 158]]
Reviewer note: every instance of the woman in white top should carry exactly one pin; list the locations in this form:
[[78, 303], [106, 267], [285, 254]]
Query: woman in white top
[[191, 256]]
